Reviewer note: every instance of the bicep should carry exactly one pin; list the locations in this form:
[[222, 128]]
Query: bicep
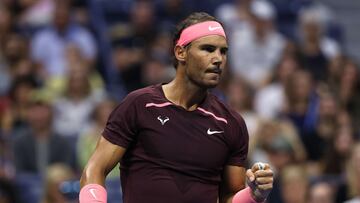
[[107, 154], [102, 161], [233, 180]]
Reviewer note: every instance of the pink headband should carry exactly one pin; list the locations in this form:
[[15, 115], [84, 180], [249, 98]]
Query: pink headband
[[199, 30]]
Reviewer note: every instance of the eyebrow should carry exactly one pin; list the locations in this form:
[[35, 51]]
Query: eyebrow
[[213, 46], [226, 48]]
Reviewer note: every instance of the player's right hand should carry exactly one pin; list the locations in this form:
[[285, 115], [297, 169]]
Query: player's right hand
[[260, 180]]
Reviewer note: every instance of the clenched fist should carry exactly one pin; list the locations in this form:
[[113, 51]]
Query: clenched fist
[[260, 180]]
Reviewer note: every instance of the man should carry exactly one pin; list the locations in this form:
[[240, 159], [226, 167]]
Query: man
[[256, 39], [177, 142], [62, 34], [38, 147]]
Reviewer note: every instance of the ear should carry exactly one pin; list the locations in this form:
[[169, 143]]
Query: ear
[[180, 53]]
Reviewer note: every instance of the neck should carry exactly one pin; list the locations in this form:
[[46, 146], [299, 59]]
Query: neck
[[185, 93]]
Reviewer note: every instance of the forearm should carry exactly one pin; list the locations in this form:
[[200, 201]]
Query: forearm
[[103, 160], [93, 183], [93, 175], [93, 186]]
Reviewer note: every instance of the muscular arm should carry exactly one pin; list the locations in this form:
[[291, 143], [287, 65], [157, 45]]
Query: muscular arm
[[233, 181], [102, 161]]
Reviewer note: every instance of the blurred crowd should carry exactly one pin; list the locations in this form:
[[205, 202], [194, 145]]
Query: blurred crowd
[[65, 64]]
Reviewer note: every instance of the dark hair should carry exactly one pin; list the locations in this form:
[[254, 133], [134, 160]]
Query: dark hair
[[27, 80], [192, 19]]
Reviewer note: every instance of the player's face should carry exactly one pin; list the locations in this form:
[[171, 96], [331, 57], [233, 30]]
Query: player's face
[[206, 60]]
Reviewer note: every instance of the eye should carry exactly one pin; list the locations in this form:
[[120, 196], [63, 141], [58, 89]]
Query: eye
[[208, 48], [223, 51]]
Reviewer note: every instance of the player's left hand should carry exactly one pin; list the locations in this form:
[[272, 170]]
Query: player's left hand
[[260, 180]]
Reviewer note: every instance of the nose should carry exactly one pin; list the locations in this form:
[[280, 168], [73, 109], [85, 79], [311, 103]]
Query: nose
[[217, 58]]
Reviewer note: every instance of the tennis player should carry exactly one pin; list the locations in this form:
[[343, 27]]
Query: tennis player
[[176, 142]]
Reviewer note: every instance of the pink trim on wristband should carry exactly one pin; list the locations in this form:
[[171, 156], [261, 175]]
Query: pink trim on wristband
[[93, 193], [199, 30], [244, 196]]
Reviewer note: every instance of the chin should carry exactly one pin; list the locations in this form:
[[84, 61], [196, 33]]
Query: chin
[[211, 84], [206, 83]]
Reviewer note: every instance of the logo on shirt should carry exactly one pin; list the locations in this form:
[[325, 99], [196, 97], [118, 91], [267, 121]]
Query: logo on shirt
[[163, 120], [214, 28], [210, 132]]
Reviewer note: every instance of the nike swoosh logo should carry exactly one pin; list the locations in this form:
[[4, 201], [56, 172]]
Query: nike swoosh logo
[[214, 28], [92, 191], [209, 132]]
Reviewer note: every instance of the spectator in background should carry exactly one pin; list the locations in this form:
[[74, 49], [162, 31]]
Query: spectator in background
[[14, 115], [6, 26], [349, 82], [15, 49], [328, 145], [132, 41], [39, 146], [318, 139], [235, 16], [127, 61], [278, 143], [316, 49], [56, 174], [143, 25], [22, 79], [301, 103], [322, 192], [255, 51], [240, 98], [161, 48], [74, 107], [335, 70], [25, 68], [62, 32], [57, 85], [140, 30], [270, 100], [350, 190], [35, 13], [349, 92], [7, 168], [155, 71], [171, 12], [339, 145], [12, 51], [294, 184], [5, 30], [90, 135], [281, 153]]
